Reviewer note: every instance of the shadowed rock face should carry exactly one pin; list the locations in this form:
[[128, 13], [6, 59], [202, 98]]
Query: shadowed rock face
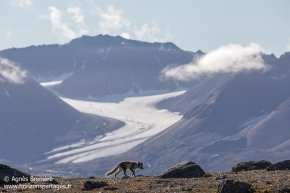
[[273, 130], [34, 121], [7, 173], [251, 165], [186, 169], [90, 185], [232, 186], [31, 119], [283, 165]]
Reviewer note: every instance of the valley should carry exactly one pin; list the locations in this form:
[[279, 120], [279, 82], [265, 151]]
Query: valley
[[142, 121]]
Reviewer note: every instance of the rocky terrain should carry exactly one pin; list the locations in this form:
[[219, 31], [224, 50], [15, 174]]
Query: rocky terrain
[[254, 180], [261, 181]]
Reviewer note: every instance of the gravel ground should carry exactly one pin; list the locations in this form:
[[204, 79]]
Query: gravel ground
[[262, 182]]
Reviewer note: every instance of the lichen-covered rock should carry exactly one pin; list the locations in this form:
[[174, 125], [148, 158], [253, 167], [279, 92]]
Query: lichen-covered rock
[[232, 186], [186, 169], [283, 190], [284, 165], [251, 165], [90, 185]]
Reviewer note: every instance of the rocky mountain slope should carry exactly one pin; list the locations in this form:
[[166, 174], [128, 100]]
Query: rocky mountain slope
[[34, 121], [245, 118], [102, 65]]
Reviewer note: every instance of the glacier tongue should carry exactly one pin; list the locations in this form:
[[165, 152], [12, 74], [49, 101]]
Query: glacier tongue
[[142, 120]]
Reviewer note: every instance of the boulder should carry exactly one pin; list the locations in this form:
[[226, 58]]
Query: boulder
[[284, 165], [11, 175], [186, 169], [90, 185], [251, 165], [232, 186], [283, 190]]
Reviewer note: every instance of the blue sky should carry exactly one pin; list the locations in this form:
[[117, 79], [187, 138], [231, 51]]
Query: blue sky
[[191, 24]]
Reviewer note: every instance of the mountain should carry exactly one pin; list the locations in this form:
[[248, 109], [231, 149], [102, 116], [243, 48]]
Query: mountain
[[34, 121], [196, 94], [243, 118], [102, 65], [227, 118], [272, 132]]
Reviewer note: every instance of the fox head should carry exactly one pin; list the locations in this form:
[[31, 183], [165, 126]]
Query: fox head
[[140, 165]]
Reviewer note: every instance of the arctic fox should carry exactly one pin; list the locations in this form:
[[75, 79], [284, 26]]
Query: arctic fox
[[123, 166]]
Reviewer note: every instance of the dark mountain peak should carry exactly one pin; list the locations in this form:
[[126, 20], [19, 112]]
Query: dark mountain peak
[[199, 52], [99, 40], [49, 62], [28, 48], [285, 55], [112, 41], [269, 58], [167, 46]]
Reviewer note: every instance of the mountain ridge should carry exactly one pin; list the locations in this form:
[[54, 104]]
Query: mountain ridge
[[116, 65]]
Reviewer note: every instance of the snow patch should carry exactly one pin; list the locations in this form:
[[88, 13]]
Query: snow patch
[[7, 93], [106, 53], [51, 83], [164, 49]]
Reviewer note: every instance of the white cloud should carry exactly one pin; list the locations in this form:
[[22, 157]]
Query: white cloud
[[78, 18], [147, 32], [152, 33], [62, 29], [70, 28], [9, 35], [125, 35], [10, 72], [70, 24], [21, 3], [230, 58], [112, 20], [77, 14], [288, 45]]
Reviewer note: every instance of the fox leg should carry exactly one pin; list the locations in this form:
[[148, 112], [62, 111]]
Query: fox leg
[[117, 172], [133, 172], [125, 172]]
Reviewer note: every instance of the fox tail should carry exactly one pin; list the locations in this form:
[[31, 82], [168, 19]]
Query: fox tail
[[115, 169]]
